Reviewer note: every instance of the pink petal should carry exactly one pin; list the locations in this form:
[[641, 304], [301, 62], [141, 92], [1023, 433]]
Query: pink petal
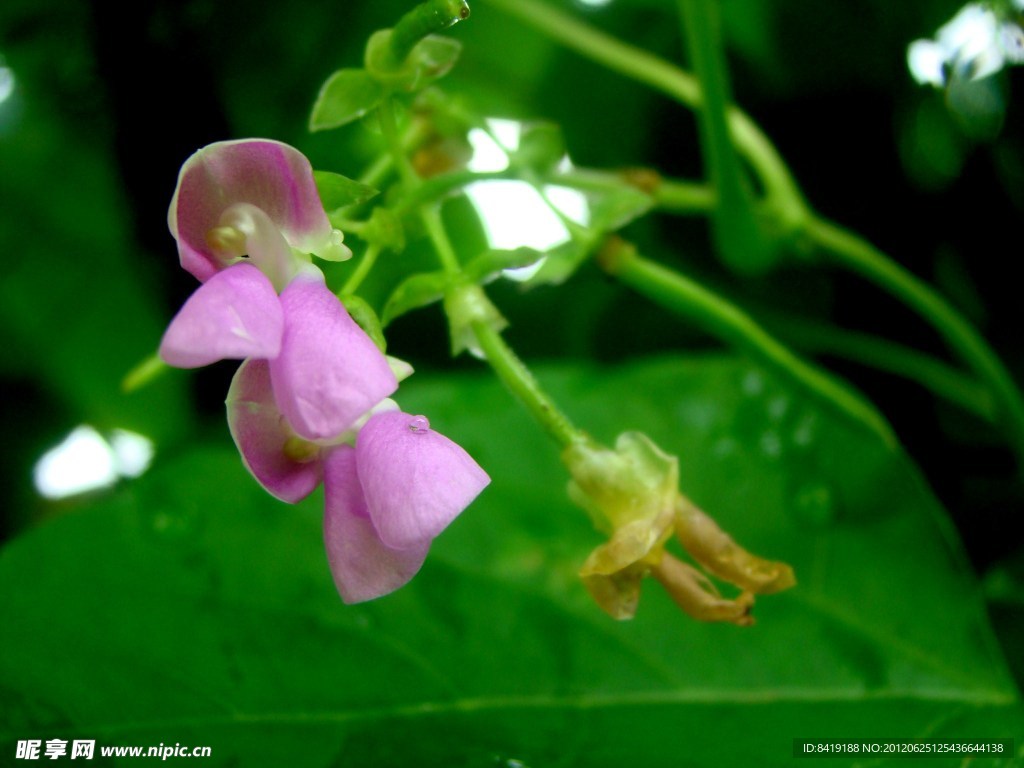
[[270, 175], [329, 372], [415, 480], [234, 315], [363, 567], [261, 434]]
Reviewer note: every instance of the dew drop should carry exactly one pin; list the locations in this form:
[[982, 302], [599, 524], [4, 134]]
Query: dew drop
[[806, 431], [815, 503], [771, 444], [419, 425], [778, 407], [170, 525], [753, 383], [725, 446]]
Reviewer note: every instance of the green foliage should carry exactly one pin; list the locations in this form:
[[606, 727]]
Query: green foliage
[[347, 95], [337, 191], [191, 607], [611, 209], [414, 292]]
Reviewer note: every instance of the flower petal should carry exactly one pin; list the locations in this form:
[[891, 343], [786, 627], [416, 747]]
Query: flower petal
[[262, 435], [270, 175], [363, 567], [329, 372], [415, 480], [264, 244], [234, 315]]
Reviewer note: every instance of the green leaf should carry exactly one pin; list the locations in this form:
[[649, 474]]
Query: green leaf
[[414, 292], [347, 95], [488, 264], [561, 263], [194, 608], [337, 191], [610, 210], [366, 319], [429, 60], [434, 56], [619, 207], [541, 148]]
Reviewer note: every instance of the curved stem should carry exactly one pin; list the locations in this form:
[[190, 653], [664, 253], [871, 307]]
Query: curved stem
[[782, 191], [389, 127], [524, 386], [362, 270], [727, 321], [856, 254], [936, 376]]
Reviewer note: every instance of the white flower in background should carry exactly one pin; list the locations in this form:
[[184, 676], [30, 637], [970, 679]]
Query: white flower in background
[[979, 41]]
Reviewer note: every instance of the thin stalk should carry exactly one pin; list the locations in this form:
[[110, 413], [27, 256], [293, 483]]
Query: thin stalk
[[735, 225], [856, 254], [727, 321], [936, 376], [524, 386], [362, 270], [637, 64]]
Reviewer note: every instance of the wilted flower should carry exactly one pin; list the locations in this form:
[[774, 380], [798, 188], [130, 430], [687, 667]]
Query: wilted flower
[[632, 494]]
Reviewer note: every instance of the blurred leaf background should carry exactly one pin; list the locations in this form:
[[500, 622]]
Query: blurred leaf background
[[185, 606]]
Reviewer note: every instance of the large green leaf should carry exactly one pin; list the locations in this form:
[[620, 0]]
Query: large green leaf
[[192, 608]]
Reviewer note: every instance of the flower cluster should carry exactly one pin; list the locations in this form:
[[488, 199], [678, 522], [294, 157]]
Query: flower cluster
[[310, 402]]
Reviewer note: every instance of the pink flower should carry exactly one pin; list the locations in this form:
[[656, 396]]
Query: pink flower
[[252, 196], [308, 404], [386, 497], [245, 213]]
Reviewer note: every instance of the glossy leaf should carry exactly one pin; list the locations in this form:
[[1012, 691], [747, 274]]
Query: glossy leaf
[[337, 191], [192, 608], [347, 95], [429, 60], [414, 292]]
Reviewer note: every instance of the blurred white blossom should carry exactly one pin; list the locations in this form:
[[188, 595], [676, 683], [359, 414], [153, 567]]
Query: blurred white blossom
[[979, 41]]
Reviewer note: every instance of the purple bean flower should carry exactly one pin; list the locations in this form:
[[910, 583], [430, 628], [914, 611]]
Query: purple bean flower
[[309, 403], [246, 214], [391, 483]]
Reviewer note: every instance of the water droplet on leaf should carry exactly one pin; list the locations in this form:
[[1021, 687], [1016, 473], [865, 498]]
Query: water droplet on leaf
[[778, 407], [815, 503], [753, 383], [771, 444]]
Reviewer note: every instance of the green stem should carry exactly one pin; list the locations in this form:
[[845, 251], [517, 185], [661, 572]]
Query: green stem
[[735, 225], [783, 194], [727, 321], [498, 354], [431, 217], [933, 375], [682, 197], [389, 127], [857, 255], [144, 373], [362, 270], [425, 19], [524, 386]]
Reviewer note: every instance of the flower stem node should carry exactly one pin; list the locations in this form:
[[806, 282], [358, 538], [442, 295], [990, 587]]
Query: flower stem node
[[632, 494], [467, 305]]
